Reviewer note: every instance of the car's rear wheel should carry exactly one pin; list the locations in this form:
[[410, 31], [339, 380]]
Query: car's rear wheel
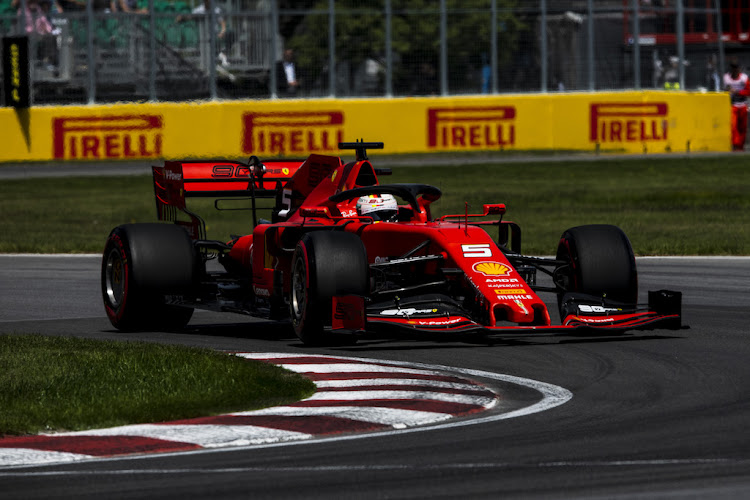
[[325, 264], [140, 265], [599, 262]]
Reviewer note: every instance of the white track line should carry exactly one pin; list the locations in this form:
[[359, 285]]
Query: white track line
[[208, 436], [389, 467], [399, 395], [394, 381], [396, 417], [351, 368], [27, 456]]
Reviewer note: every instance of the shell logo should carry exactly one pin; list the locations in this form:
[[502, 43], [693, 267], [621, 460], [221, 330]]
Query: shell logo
[[492, 268]]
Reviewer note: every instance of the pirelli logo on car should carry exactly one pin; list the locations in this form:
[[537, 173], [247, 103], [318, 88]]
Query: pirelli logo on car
[[628, 122], [292, 132], [102, 137], [477, 127]]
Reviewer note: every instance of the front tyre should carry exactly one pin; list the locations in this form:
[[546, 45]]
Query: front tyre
[[325, 264], [141, 263], [599, 262]]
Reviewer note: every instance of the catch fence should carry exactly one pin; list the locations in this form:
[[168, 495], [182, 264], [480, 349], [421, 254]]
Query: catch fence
[[169, 51]]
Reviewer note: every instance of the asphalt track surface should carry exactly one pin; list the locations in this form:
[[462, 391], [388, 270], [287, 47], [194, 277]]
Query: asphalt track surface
[[657, 414]]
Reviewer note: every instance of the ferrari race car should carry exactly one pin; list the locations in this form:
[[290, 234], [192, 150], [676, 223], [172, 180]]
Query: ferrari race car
[[342, 254]]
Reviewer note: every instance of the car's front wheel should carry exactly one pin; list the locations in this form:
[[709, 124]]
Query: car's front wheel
[[599, 261], [141, 263], [325, 264]]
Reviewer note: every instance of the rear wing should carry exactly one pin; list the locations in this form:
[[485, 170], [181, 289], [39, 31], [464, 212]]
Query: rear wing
[[290, 182], [178, 180]]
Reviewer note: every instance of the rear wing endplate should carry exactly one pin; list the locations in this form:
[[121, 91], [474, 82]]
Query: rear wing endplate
[[177, 180]]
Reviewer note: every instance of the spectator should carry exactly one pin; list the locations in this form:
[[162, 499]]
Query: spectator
[[71, 5], [101, 5], [672, 74], [130, 6], [287, 82], [426, 80], [35, 22], [712, 80], [737, 84], [50, 8], [658, 74], [486, 74], [33, 17], [224, 37]]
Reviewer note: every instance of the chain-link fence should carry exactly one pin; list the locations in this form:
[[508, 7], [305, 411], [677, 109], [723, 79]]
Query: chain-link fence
[[167, 50]]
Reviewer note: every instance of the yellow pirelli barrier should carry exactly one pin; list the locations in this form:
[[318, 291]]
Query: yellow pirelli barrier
[[634, 122]]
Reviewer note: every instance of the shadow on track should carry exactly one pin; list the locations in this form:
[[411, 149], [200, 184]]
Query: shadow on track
[[280, 331]]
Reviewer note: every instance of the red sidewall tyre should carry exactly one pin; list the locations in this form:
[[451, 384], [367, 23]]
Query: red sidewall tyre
[[116, 279], [141, 263], [325, 264]]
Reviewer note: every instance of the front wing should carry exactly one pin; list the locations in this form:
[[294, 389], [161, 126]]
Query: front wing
[[580, 315]]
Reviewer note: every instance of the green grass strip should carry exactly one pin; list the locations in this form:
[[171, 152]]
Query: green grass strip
[[667, 206], [67, 383], [687, 206]]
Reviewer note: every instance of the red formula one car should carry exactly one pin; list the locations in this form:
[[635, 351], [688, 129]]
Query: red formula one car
[[343, 254]]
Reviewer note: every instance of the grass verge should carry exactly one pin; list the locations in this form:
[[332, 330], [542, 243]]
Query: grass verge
[[65, 383], [667, 206]]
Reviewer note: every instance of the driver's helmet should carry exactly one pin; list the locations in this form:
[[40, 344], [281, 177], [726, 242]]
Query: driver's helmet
[[381, 207]]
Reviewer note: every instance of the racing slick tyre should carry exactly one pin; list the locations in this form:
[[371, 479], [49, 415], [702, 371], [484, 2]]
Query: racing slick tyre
[[325, 264], [142, 263], [600, 262]]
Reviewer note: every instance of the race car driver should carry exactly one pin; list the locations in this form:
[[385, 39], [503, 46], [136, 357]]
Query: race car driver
[[381, 207]]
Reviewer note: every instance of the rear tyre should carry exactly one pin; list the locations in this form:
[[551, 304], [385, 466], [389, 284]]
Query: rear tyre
[[141, 263], [600, 262], [325, 264]]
